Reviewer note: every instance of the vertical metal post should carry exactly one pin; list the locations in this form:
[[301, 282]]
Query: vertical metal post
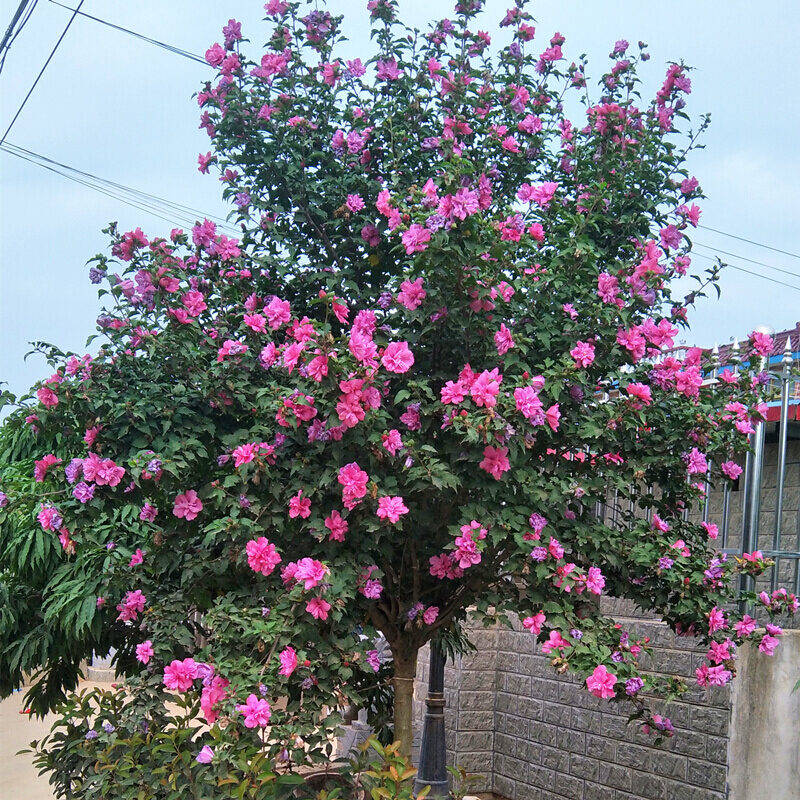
[[751, 501], [726, 514], [433, 753], [782, 438], [706, 490]]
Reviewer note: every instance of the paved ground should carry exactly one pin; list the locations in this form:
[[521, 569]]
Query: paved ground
[[18, 778]]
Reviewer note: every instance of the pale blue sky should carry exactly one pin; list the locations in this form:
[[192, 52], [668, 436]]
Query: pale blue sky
[[122, 109]]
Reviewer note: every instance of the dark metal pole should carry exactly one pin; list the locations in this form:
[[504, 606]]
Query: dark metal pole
[[433, 754]]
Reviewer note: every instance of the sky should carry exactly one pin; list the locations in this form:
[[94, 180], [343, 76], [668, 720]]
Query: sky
[[121, 108]]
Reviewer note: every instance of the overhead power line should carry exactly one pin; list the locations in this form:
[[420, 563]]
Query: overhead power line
[[41, 71], [750, 272], [749, 260], [750, 241], [174, 213], [171, 48], [14, 30]]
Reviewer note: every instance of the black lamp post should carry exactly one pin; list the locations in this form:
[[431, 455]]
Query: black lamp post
[[433, 755]]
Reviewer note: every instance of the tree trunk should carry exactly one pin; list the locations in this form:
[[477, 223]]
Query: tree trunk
[[405, 668]]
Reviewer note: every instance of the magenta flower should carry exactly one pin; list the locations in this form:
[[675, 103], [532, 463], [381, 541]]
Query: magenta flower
[[148, 513], [731, 469], [310, 572], [411, 294], [416, 239], [187, 505], [144, 651], [299, 506], [205, 756], [534, 623], [601, 682], [131, 606], [583, 354], [503, 340], [288, 659], [696, 462], [256, 711], [137, 558], [337, 526], [397, 357], [179, 676], [262, 556], [495, 461], [318, 608], [391, 508]]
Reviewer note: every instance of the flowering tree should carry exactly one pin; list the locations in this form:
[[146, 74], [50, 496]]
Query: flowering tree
[[439, 342]]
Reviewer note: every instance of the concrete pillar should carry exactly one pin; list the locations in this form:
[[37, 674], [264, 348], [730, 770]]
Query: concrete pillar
[[764, 750]]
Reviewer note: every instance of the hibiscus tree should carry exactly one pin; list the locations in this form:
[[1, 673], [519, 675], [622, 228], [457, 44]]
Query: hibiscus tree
[[439, 342]]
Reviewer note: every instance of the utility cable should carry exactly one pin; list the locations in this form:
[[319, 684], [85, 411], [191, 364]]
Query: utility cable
[[167, 210], [41, 71], [749, 272], [750, 241], [172, 49], [11, 34], [749, 260]]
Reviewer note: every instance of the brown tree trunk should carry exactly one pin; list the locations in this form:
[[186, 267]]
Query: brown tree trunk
[[405, 668]]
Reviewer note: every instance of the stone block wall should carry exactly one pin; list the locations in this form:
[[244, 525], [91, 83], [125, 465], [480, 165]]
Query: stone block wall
[[541, 736]]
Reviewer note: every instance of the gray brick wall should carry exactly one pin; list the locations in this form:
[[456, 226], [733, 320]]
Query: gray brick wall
[[534, 735]]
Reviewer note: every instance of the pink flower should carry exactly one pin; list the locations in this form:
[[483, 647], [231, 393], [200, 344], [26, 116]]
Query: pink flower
[[255, 322], [397, 357], [731, 469], [392, 442], [430, 615], [355, 203], [262, 555], [310, 572], [583, 354], [745, 626], [318, 608], [391, 508], [534, 623], [278, 312], [194, 303], [696, 462], [411, 294], [595, 580], [555, 642], [768, 644], [288, 659], [485, 388], [131, 606], [40, 467], [144, 651], [337, 525], [495, 461], [205, 756], [137, 558], [641, 392], [601, 682], [354, 482], [180, 675], [416, 239], [716, 620], [257, 712], [213, 692], [148, 513], [299, 506], [553, 415], [47, 397], [711, 529], [187, 505], [503, 340]]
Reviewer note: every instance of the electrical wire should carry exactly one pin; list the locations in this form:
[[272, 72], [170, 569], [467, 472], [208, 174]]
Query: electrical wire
[[174, 213], [749, 272], [172, 49], [9, 38], [749, 260], [41, 71], [750, 241]]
